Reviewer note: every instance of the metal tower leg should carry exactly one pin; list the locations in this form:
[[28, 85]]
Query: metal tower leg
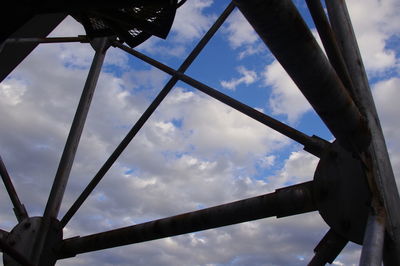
[[67, 158], [381, 173]]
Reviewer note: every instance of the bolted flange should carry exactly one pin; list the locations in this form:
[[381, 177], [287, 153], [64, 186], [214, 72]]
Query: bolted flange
[[22, 239], [341, 192]]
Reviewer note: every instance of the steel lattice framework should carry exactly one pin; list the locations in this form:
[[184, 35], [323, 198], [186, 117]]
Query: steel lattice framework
[[353, 170]]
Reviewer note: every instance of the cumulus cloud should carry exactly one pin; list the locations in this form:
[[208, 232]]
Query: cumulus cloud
[[374, 32], [286, 98], [242, 36], [191, 22], [247, 77], [194, 152]]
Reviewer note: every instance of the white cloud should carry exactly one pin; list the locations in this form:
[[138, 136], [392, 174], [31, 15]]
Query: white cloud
[[247, 77], [375, 22], [239, 31], [190, 21], [241, 35], [194, 152], [286, 98], [12, 91]]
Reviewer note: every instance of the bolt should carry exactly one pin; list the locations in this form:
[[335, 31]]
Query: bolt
[[27, 225]]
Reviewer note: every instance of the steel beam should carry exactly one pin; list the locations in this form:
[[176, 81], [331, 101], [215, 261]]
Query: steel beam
[[145, 116], [284, 202], [329, 42], [80, 38], [314, 144], [19, 208], [67, 158], [60, 181], [328, 249], [281, 27], [380, 169], [374, 236]]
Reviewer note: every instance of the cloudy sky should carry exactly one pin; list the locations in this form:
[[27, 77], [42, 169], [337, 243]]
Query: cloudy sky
[[194, 152]]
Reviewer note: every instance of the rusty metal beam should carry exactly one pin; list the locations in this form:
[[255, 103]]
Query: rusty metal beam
[[380, 169], [328, 249], [374, 236], [79, 38], [329, 42], [282, 29], [19, 208], [67, 158], [284, 202]]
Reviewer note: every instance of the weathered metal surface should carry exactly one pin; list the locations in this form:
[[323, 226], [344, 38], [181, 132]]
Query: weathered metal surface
[[19, 208], [379, 167], [80, 38], [374, 236], [145, 116], [21, 240], [328, 248], [328, 40], [286, 201], [341, 193], [313, 144], [3, 234], [67, 158], [281, 27], [13, 254], [68, 155]]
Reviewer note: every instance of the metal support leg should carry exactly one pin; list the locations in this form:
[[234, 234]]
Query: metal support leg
[[382, 179], [372, 250], [67, 158]]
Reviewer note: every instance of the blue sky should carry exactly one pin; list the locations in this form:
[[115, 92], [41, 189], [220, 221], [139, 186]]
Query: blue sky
[[194, 152]]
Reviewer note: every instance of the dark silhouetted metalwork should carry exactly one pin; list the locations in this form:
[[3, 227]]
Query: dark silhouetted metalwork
[[353, 189]]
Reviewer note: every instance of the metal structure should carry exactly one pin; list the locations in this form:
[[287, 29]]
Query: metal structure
[[353, 189]]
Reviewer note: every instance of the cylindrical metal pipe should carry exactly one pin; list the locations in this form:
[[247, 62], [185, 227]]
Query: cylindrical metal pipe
[[380, 167], [19, 208], [287, 201], [374, 236], [328, 40], [82, 39], [281, 27], [61, 179], [328, 249], [67, 158]]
